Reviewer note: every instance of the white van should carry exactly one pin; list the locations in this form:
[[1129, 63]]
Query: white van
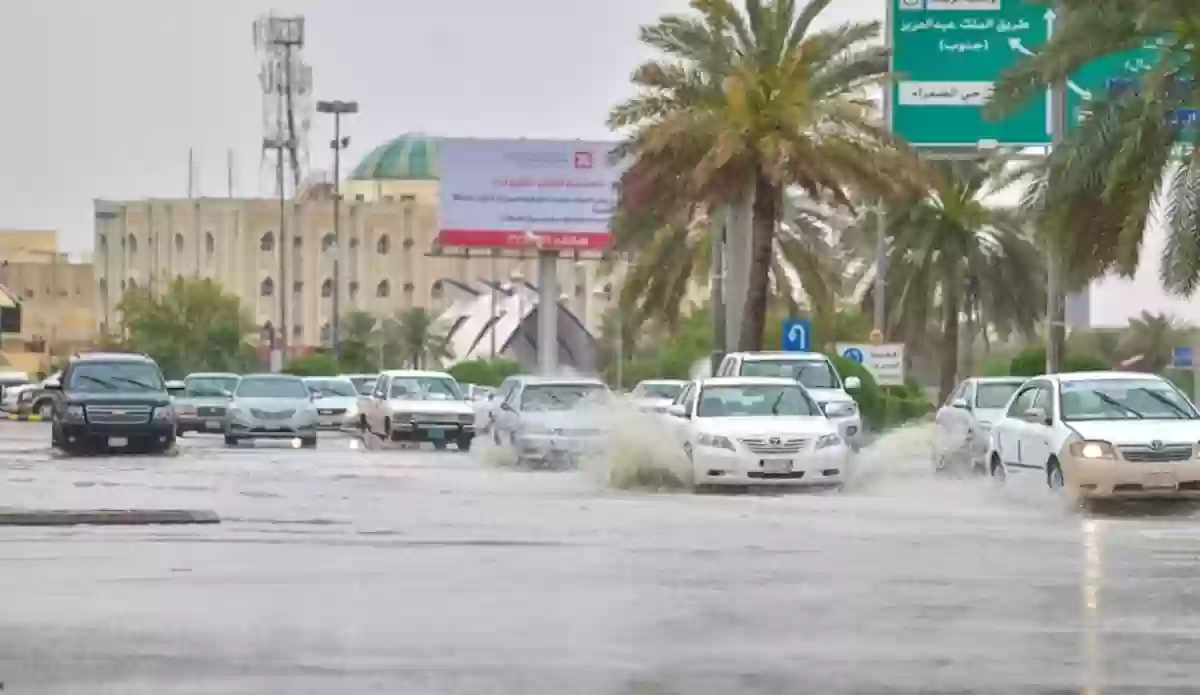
[[818, 375]]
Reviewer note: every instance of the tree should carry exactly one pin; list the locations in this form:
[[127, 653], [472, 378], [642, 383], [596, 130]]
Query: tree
[[359, 342], [1097, 190], [1154, 337], [417, 337], [194, 326], [743, 104], [953, 255], [319, 363]]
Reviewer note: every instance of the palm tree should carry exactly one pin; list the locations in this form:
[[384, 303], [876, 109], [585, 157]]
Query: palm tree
[[1154, 337], [416, 335], [744, 103], [358, 336], [1098, 188], [953, 256]]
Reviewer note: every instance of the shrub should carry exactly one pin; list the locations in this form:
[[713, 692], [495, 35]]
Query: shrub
[[1031, 362], [484, 372], [316, 364]]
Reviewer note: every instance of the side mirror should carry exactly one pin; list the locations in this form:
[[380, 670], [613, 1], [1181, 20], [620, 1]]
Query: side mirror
[[677, 411], [1034, 415], [507, 406], [853, 383], [960, 403], [53, 385]]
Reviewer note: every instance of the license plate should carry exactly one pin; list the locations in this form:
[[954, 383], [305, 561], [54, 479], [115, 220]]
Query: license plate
[[1161, 480], [118, 441], [212, 425], [777, 465]]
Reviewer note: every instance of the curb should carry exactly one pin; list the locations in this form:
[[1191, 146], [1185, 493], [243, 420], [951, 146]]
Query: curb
[[105, 517], [23, 418]]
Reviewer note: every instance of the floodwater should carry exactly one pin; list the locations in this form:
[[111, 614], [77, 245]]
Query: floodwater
[[367, 569]]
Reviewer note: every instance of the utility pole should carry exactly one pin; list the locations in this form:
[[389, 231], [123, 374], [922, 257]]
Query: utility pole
[[1055, 325], [281, 336], [717, 290], [337, 108]]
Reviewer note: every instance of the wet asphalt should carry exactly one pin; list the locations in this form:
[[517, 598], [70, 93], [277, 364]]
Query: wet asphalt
[[363, 570]]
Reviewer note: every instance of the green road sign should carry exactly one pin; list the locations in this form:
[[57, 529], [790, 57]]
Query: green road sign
[[949, 53]]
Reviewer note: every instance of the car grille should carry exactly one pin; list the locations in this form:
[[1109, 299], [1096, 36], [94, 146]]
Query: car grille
[[435, 419], [775, 445], [118, 415], [272, 415], [1167, 453], [333, 411], [210, 411]]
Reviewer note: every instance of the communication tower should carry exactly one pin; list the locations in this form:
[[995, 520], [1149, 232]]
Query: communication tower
[[286, 82]]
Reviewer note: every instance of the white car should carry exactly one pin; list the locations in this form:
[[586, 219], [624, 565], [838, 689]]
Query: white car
[[552, 421], [1098, 435], [336, 398], [963, 423], [419, 406], [818, 375], [655, 395], [758, 430]]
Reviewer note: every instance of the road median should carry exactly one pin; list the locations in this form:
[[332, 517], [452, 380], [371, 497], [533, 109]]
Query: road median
[[106, 517], [22, 418]]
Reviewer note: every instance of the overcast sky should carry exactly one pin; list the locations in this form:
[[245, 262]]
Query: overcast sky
[[103, 98]]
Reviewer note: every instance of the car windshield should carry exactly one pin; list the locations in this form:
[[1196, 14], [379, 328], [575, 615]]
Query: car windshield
[[332, 388], [115, 376], [364, 384], [994, 395], [542, 397], [210, 386], [1124, 399], [815, 374], [755, 401], [425, 388], [271, 387], [657, 390]]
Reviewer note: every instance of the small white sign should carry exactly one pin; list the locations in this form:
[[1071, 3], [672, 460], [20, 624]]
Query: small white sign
[[885, 362], [946, 93], [975, 5]]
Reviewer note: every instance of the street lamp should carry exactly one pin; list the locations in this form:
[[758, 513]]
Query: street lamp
[[607, 295], [339, 143], [280, 347]]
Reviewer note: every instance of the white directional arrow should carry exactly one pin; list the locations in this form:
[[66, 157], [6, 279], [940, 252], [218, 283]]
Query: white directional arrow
[[798, 335], [1016, 45]]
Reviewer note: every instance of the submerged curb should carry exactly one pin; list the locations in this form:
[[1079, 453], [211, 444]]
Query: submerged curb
[[106, 517], [23, 418]]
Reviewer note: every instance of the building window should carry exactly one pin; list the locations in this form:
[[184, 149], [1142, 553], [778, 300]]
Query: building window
[[327, 288], [102, 242], [408, 243], [298, 286], [267, 243], [353, 242], [329, 241], [409, 287], [353, 289], [608, 288], [436, 290], [383, 289], [297, 331], [103, 285], [384, 245], [29, 294], [122, 285], [580, 290], [132, 245], [210, 244], [297, 241], [267, 287], [133, 284], [178, 277], [178, 243], [326, 334]]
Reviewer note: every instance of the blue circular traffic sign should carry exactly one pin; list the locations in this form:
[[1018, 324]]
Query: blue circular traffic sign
[[854, 355]]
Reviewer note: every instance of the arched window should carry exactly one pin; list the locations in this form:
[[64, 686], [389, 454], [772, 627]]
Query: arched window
[[122, 285], [268, 332], [210, 243], [267, 243], [178, 243], [327, 288], [436, 290], [103, 285], [409, 287], [383, 289], [297, 241], [326, 334], [329, 241], [132, 245], [353, 242], [353, 289], [298, 286], [297, 331], [133, 284], [408, 243], [608, 288], [267, 287], [384, 245], [102, 242]]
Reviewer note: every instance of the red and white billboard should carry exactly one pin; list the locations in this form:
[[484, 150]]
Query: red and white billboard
[[525, 194]]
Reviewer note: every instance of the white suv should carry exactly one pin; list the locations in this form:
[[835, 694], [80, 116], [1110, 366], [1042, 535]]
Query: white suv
[[1099, 434], [818, 375]]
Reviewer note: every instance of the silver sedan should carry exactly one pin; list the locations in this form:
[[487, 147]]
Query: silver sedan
[[271, 406]]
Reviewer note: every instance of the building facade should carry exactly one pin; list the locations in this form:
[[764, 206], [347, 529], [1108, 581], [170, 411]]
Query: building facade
[[388, 225]]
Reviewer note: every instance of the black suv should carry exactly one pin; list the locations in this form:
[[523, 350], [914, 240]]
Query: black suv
[[112, 401]]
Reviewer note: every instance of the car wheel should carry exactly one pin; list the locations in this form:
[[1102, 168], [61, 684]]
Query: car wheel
[[387, 429], [363, 424], [1054, 475], [309, 443], [999, 475], [464, 443], [231, 440]]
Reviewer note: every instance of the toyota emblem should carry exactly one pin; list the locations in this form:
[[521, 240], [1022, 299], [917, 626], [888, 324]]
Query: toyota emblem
[[1157, 444], [776, 440]]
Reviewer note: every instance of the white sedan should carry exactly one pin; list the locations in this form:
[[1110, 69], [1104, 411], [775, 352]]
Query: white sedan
[[757, 431]]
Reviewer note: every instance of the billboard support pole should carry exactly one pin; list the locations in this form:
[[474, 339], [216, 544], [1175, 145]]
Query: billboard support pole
[[547, 326]]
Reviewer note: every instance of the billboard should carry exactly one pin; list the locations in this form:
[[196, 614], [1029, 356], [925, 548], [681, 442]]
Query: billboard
[[525, 194]]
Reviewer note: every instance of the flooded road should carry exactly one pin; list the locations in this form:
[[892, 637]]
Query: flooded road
[[343, 569]]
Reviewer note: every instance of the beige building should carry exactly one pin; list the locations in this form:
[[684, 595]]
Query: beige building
[[57, 297], [388, 226]]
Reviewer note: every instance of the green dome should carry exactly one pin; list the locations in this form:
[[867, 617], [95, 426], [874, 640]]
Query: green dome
[[409, 157]]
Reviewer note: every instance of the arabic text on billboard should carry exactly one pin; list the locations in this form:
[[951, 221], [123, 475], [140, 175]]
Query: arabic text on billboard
[[548, 194]]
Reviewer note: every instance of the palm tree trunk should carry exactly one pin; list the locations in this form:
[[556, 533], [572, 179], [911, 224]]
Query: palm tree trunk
[[948, 355], [762, 247], [966, 346]]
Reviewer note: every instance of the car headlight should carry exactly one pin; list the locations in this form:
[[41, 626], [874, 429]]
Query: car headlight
[[1093, 449], [841, 409], [828, 440], [398, 416], [715, 441], [164, 414], [75, 413]]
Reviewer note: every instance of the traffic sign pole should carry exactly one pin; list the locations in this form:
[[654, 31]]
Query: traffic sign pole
[[1054, 298]]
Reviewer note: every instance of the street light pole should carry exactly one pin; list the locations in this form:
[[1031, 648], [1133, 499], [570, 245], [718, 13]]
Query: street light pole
[[281, 336], [337, 108]]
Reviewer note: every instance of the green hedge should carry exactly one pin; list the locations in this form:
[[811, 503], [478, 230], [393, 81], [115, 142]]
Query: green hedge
[[484, 372], [883, 407], [1031, 362]]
